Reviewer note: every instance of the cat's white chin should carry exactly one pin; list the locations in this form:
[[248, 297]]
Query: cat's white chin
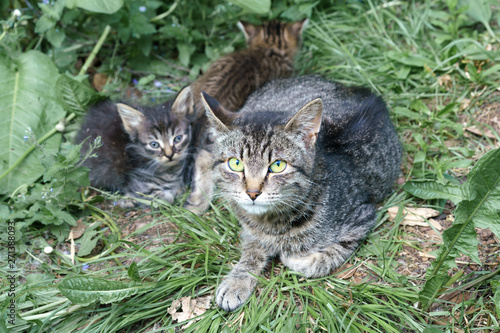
[[255, 208]]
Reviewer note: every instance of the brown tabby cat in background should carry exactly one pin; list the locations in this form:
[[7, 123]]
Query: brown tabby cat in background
[[231, 79]]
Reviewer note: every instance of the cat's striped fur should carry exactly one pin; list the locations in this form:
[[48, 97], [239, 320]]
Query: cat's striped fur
[[342, 156], [269, 55], [145, 150]]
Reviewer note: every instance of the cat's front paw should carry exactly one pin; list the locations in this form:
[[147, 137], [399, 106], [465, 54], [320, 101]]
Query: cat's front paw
[[233, 292]]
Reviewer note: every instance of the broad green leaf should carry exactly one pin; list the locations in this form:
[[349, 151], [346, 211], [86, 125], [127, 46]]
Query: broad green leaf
[[87, 289], [480, 207], [133, 272], [496, 297], [185, 51], [56, 37], [254, 6], [479, 10], [431, 290], [29, 108], [74, 96], [483, 189], [100, 6], [433, 190]]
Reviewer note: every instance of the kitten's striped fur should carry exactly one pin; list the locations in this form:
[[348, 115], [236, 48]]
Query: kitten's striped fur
[[144, 150], [342, 156]]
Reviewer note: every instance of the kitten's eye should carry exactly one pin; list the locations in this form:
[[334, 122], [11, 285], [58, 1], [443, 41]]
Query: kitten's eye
[[154, 144], [235, 164], [277, 166], [178, 138]]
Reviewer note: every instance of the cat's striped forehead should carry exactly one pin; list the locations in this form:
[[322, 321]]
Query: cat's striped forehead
[[162, 119]]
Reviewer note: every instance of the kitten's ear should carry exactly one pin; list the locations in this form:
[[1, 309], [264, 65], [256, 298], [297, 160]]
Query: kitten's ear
[[132, 119], [298, 27], [184, 103], [249, 30], [294, 31], [216, 113], [307, 121]]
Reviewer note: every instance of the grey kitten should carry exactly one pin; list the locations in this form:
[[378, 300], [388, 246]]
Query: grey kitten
[[302, 164], [144, 150]]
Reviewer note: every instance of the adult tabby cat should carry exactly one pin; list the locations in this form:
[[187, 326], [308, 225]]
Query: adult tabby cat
[[302, 164], [144, 150], [269, 55]]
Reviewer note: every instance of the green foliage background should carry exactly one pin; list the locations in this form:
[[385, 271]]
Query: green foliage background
[[436, 62]]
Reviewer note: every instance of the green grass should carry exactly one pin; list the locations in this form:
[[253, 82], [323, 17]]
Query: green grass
[[401, 50]]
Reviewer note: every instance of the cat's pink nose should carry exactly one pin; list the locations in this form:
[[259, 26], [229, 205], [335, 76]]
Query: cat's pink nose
[[253, 194]]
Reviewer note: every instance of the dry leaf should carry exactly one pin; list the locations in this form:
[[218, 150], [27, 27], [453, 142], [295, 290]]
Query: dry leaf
[[78, 229], [414, 216], [346, 271], [191, 308], [445, 80], [99, 81], [475, 130], [464, 103]]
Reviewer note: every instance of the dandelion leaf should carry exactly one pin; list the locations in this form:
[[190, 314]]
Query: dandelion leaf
[[29, 110]]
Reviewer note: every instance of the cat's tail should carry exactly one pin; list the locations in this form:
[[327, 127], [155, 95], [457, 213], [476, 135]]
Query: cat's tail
[[361, 122]]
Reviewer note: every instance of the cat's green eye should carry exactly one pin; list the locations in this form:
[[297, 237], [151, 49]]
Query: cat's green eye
[[235, 164], [277, 166], [178, 138], [154, 144]]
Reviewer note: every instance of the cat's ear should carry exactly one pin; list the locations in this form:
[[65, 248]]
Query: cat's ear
[[132, 119], [293, 31], [307, 121], [216, 113], [298, 27], [249, 30], [184, 103]]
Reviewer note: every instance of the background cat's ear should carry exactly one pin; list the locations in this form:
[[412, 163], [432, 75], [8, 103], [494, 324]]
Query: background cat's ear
[[132, 119], [294, 30], [307, 121], [249, 30], [216, 113], [184, 103]]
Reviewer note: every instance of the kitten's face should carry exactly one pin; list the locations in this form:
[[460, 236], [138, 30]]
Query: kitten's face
[[167, 142], [161, 133], [264, 164]]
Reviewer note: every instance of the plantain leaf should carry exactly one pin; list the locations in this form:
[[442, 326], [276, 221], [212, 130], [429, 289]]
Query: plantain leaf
[[87, 289], [483, 190], [431, 290], [100, 6], [433, 190], [29, 110], [479, 208]]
